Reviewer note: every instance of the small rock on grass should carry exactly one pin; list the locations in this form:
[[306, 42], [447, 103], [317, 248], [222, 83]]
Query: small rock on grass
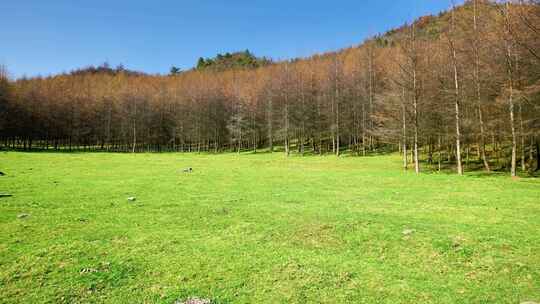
[[194, 301], [5, 195], [23, 215], [132, 199], [408, 231], [2, 173]]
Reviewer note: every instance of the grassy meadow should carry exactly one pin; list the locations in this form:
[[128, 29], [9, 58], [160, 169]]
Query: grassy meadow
[[261, 228]]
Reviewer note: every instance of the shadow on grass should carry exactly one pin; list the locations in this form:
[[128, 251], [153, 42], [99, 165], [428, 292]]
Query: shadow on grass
[[472, 168], [475, 169]]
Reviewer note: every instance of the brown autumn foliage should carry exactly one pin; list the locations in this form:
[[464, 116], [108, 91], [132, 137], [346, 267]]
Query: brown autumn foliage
[[470, 76]]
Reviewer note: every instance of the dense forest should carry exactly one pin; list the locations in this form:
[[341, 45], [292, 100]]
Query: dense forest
[[461, 88]]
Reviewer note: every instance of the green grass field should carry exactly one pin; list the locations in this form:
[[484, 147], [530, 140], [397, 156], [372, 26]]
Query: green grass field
[[261, 229]]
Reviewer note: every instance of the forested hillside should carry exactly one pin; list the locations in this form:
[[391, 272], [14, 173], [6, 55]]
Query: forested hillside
[[451, 89]]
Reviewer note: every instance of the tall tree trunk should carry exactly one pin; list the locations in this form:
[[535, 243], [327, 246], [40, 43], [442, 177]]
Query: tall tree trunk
[[522, 137], [457, 109], [414, 62], [456, 96], [338, 143], [510, 71], [513, 128], [303, 122], [439, 149], [415, 111], [531, 153], [270, 125], [415, 115], [287, 148], [370, 51], [239, 139], [336, 98], [482, 145], [134, 136], [404, 130], [363, 129]]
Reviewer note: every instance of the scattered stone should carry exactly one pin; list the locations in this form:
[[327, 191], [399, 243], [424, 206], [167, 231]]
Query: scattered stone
[[188, 170], [88, 270], [132, 198], [23, 215], [194, 301], [408, 231], [5, 195]]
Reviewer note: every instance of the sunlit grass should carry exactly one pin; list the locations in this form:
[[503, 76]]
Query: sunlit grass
[[261, 229]]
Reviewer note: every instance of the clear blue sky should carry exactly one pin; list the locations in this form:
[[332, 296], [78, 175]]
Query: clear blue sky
[[41, 37]]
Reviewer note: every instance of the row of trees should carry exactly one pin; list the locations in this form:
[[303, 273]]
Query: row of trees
[[460, 88]]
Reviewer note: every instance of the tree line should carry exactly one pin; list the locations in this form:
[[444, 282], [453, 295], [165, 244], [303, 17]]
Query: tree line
[[458, 89]]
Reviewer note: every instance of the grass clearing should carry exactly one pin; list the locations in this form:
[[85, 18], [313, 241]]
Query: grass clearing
[[261, 229]]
